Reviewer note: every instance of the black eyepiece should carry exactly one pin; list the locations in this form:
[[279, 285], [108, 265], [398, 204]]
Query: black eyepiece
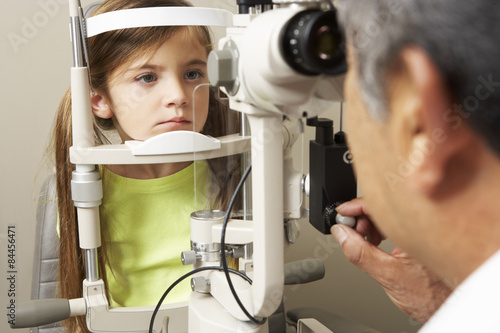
[[313, 44]]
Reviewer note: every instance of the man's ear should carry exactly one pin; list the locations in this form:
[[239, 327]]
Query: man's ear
[[420, 112], [100, 106]]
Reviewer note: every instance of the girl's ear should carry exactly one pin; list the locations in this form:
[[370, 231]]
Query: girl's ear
[[100, 106]]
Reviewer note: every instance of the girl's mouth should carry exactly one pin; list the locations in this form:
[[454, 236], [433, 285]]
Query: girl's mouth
[[176, 122]]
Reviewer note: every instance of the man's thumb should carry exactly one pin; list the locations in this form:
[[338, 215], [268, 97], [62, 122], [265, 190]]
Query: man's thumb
[[358, 251]]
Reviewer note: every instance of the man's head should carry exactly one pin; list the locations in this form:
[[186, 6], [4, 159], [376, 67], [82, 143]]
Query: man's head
[[423, 96], [459, 38]]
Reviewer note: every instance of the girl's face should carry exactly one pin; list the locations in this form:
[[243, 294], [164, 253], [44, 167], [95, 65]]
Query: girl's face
[[155, 95]]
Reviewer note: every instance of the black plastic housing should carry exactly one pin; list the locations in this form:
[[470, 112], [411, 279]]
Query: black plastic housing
[[244, 5], [331, 175]]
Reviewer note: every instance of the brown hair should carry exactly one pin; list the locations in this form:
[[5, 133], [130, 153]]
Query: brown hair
[[107, 52]]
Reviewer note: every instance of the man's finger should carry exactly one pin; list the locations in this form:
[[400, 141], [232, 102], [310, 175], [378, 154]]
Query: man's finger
[[363, 225], [355, 207], [366, 229]]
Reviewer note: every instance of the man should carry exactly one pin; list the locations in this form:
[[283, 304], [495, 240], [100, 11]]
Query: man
[[423, 97]]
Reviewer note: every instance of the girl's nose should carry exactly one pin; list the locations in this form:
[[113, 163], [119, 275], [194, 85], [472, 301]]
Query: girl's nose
[[175, 94]]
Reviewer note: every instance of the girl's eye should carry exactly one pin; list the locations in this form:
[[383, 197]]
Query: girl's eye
[[147, 78], [194, 75]]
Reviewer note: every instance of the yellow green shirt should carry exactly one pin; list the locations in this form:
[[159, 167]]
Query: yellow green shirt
[[146, 226]]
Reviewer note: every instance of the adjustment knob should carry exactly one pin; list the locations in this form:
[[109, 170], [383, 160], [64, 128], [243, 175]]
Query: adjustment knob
[[200, 284], [331, 216], [345, 220], [188, 257], [221, 68]]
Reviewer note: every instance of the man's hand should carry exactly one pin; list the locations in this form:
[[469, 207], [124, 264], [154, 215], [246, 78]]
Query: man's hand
[[409, 285]]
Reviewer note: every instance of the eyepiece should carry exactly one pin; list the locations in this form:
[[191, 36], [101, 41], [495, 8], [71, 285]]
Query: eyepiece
[[312, 43]]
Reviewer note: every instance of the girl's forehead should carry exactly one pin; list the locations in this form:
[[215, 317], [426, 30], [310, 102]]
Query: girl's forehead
[[180, 41], [180, 44]]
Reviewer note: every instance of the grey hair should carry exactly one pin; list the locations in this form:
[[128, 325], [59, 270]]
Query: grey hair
[[459, 36]]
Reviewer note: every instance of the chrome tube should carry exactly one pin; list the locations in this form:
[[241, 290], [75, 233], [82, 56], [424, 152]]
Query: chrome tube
[[91, 266], [76, 39]]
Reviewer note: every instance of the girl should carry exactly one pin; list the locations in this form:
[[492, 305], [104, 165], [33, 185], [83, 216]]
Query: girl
[[143, 81]]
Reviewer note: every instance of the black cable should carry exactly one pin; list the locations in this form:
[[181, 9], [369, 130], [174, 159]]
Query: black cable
[[223, 245], [200, 269]]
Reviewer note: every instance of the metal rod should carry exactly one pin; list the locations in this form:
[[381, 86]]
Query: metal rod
[[245, 161], [91, 265], [76, 38]]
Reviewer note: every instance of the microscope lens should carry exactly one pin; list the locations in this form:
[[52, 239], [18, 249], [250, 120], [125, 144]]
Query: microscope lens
[[311, 43], [326, 43]]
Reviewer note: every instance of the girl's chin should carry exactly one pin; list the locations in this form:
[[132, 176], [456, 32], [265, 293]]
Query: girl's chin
[[161, 129]]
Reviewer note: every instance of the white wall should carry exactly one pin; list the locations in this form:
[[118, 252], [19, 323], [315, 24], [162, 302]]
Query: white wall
[[35, 61]]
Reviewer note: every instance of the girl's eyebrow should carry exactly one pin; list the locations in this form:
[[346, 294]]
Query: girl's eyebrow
[[196, 62], [145, 66], [159, 67]]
